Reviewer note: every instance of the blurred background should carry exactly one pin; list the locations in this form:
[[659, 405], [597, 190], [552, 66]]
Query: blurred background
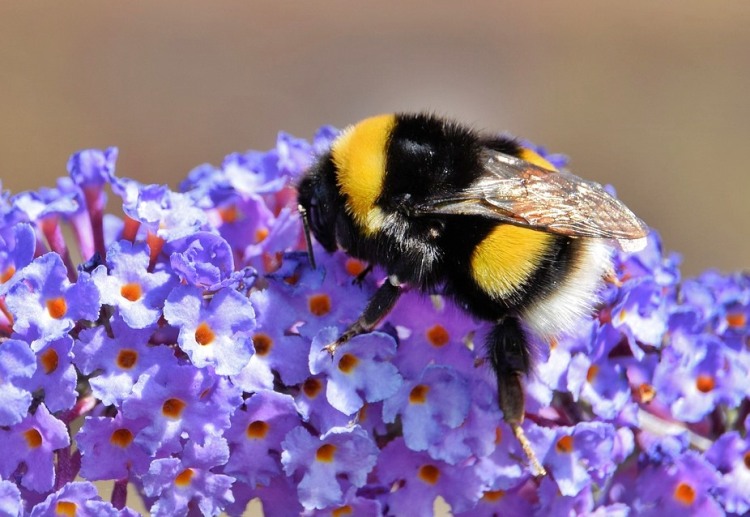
[[649, 96]]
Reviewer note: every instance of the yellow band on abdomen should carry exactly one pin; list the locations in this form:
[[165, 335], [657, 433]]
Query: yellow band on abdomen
[[507, 257]]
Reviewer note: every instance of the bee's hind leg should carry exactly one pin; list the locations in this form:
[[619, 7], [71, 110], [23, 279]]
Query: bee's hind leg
[[377, 308], [508, 352]]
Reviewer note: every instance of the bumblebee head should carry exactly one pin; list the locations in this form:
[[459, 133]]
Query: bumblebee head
[[319, 204]]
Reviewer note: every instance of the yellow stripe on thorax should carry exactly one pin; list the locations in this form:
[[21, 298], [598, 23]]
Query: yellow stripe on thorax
[[360, 155], [509, 255]]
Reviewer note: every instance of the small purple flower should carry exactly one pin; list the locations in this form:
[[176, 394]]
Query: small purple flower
[[46, 305], [10, 499], [439, 400], [108, 448], [138, 293], [579, 455], [17, 365], [203, 259], [16, 252], [78, 498], [679, 488], [116, 358], [255, 437], [730, 454], [417, 479], [358, 372], [179, 399], [33, 442], [602, 384], [179, 482], [329, 464], [55, 374], [214, 332]]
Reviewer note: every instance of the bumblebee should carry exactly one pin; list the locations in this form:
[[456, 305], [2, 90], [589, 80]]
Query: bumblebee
[[479, 218]]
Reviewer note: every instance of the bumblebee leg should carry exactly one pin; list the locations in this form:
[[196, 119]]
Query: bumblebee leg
[[379, 305], [509, 356], [362, 275]]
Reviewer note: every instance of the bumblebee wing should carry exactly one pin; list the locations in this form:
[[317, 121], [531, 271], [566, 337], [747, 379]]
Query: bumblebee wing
[[514, 191]]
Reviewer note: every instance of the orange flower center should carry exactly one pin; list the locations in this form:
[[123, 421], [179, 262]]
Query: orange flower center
[[121, 438], [705, 383], [66, 508], [173, 408], [49, 360], [565, 444], [262, 343], [127, 358], [684, 494], [438, 336], [312, 387], [319, 304], [131, 292], [418, 394], [430, 474], [57, 307], [184, 477], [325, 453], [204, 335], [257, 430], [348, 363], [33, 438]]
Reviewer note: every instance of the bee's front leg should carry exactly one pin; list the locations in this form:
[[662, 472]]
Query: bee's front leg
[[377, 308]]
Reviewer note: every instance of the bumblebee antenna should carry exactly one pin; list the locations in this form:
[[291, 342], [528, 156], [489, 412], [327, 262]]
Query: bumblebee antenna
[[308, 240]]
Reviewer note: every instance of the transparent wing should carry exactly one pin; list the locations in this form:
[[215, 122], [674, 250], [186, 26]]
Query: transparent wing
[[514, 191]]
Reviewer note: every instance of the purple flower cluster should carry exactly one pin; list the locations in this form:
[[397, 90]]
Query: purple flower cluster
[[182, 360]]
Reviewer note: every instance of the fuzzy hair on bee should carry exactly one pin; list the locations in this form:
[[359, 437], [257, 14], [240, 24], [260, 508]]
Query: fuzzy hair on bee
[[479, 218]]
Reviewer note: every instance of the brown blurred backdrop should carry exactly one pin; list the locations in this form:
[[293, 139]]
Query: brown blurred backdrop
[[650, 96]]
